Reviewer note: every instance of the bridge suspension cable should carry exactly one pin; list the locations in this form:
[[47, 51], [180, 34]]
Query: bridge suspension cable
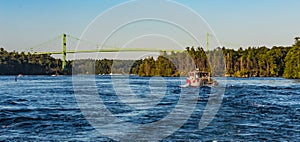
[[65, 40], [31, 49]]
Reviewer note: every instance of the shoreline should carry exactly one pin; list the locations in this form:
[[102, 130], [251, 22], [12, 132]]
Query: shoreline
[[23, 75]]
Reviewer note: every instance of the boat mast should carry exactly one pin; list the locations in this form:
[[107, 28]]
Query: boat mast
[[207, 50], [207, 40]]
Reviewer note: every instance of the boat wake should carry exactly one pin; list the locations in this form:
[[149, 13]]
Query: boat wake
[[184, 86]]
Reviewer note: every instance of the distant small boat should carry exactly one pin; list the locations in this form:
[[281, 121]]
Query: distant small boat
[[56, 74], [115, 74], [199, 78]]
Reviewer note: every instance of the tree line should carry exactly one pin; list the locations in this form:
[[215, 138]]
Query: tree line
[[250, 62], [14, 63]]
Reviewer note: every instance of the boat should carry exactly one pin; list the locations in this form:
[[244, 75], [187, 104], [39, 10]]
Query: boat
[[198, 78]]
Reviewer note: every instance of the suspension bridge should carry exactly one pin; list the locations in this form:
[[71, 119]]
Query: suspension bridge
[[64, 51]]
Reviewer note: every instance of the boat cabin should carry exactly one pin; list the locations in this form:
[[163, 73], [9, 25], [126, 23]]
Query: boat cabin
[[199, 74]]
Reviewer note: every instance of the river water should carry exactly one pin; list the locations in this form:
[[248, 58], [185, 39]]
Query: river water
[[43, 108]]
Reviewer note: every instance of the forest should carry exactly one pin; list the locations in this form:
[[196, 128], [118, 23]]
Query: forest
[[248, 62]]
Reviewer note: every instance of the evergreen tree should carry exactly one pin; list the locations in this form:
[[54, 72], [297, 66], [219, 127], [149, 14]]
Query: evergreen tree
[[292, 62]]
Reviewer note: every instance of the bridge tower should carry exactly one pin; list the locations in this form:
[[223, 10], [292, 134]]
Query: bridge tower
[[64, 51]]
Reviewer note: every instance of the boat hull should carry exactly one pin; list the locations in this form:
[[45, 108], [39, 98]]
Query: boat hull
[[200, 83]]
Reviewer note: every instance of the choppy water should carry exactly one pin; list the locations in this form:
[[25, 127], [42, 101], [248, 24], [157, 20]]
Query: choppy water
[[38, 108]]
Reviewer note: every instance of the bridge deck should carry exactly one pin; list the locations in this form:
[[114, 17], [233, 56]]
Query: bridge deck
[[110, 50]]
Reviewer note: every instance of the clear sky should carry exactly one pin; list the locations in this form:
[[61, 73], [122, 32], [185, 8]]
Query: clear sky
[[25, 23]]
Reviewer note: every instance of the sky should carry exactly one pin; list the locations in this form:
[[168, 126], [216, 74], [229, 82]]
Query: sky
[[235, 23]]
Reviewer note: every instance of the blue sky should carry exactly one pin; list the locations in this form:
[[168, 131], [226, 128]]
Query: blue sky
[[25, 23]]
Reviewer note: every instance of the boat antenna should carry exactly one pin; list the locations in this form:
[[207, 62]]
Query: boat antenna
[[207, 41]]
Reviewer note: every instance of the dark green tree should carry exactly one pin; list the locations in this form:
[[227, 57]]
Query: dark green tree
[[292, 61]]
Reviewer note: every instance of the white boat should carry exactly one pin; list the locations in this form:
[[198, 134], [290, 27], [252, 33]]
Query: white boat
[[199, 78]]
